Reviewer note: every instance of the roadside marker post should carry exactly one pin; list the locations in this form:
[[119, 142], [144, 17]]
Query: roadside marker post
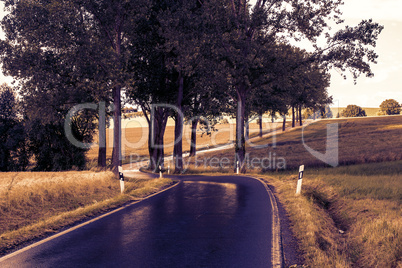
[[237, 167], [169, 168], [121, 177], [160, 171], [299, 181]]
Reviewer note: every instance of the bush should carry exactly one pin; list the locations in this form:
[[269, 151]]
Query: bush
[[12, 134], [224, 121], [308, 113], [390, 107], [380, 113], [326, 112], [353, 111]]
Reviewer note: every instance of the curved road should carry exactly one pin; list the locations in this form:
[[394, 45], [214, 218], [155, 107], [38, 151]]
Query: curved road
[[202, 222]]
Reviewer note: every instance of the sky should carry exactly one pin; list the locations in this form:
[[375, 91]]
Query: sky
[[387, 80]]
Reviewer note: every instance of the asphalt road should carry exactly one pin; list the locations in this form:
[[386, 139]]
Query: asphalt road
[[202, 222]]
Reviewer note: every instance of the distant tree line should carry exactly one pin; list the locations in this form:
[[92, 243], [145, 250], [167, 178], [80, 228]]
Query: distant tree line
[[387, 107], [205, 58]]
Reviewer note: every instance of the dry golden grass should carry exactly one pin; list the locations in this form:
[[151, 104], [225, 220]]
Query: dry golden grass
[[361, 140], [135, 139], [347, 216], [35, 203]]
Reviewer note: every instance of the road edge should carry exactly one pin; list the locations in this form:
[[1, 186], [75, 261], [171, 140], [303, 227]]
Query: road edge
[[276, 251], [15, 253]]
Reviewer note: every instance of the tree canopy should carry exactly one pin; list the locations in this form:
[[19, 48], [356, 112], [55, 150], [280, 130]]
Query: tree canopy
[[353, 111], [204, 58], [390, 106]]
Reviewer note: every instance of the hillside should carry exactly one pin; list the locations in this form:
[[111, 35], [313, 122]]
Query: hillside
[[361, 140]]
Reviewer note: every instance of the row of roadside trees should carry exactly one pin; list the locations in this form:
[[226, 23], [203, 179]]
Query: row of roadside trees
[[203, 58]]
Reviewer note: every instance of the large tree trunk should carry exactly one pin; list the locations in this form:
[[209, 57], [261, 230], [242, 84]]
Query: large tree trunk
[[102, 136], [178, 145], [193, 145], [260, 123], [156, 133], [247, 123], [300, 116], [116, 155], [240, 144], [293, 117], [178, 130], [284, 123]]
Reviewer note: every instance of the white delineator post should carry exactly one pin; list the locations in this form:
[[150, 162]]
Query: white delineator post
[[121, 177], [160, 171], [299, 181], [169, 168], [237, 167]]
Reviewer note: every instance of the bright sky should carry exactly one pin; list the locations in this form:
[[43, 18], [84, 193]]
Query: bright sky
[[387, 82]]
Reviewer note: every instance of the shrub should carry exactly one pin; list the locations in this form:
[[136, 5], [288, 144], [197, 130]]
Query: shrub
[[308, 113], [224, 121], [326, 112], [380, 113], [353, 111], [390, 107]]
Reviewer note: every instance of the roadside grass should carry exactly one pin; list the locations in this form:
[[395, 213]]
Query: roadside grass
[[346, 216], [34, 204]]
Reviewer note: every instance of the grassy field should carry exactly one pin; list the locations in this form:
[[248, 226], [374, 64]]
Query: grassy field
[[360, 140], [33, 204], [369, 111], [135, 139], [347, 216]]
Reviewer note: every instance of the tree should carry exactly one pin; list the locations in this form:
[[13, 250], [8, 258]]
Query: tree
[[45, 112], [243, 31], [171, 66], [353, 111], [153, 85], [390, 106], [205, 103], [13, 154], [326, 112], [58, 31]]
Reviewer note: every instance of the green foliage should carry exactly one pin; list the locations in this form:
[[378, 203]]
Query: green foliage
[[390, 107], [205, 57], [308, 113], [353, 111], [13, 154], [326, 112], [51, 148]]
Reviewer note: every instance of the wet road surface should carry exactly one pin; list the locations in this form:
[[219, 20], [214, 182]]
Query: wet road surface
[[216, 222]]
